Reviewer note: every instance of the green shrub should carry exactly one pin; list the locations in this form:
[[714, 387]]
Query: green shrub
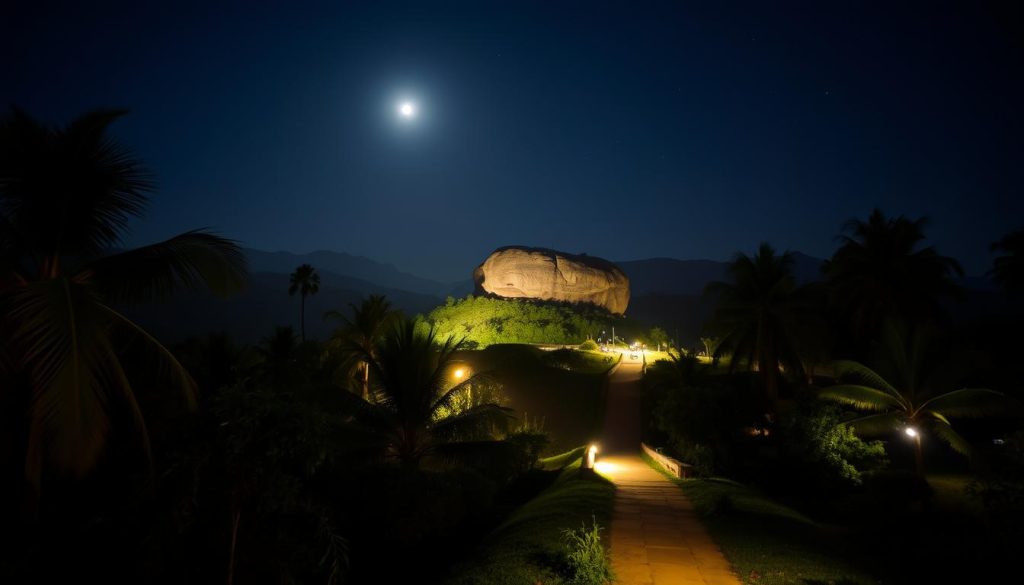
[[824, 453], [589, 345], [483, 321], [588, 564], [528, 440]]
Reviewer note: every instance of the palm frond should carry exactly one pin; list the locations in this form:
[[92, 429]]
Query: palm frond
[[481, 421], [857, 370], [368, 413], [446, 399], [65, 346], [70, 190], [168, 364], [121, 383], [182, 262], [969, 402], [863, 397], [951, 437], [876, 424]]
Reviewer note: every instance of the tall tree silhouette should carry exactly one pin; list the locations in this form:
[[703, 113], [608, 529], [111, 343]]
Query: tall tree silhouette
[[1008, 268], [881, 272], [415, 413], [304, 281], [911, 388], [756, 315], [66, 198], [361, 333]]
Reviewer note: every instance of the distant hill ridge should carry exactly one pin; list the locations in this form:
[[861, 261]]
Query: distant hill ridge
[[340, 263], [665, 291]]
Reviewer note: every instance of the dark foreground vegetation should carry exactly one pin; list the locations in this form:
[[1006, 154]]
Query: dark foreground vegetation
[[848, 430], [385, 454], [866, 428], [532, 546]]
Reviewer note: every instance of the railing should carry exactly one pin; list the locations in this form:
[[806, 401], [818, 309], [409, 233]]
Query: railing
[[676, 468]]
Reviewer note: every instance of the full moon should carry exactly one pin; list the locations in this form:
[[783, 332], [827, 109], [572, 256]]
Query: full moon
[[407, 109]]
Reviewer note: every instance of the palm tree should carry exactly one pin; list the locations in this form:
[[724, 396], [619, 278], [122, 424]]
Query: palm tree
[[416, 411], [304, 281], [909, 392], [66, 198], [756, 316], [1008, 269], [360, 334], [880, 272]]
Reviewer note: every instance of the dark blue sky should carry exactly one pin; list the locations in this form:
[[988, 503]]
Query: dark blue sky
[[682, 130]]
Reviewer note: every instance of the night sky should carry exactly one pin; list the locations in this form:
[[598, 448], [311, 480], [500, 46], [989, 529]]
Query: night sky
[[687, 131]]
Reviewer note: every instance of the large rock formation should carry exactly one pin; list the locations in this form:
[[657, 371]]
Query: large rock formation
[[536, 273]]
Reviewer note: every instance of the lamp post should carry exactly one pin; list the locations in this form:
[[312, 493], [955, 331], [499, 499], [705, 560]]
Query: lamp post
[[914, 434], [460, 374]]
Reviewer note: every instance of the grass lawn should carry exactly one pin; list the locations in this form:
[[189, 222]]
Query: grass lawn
[[529, 546], [766, 542], [564, 389]]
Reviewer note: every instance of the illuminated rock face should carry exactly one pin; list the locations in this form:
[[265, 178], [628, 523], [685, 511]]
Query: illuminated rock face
[[517, 272]]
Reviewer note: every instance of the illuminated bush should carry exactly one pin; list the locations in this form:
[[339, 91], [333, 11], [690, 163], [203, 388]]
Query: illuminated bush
[[484, 321], [588, 564]]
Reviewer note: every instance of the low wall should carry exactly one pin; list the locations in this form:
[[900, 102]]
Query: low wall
[[676, 468]]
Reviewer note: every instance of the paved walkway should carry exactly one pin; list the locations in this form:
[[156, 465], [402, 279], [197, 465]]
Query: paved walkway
[[656, 537]]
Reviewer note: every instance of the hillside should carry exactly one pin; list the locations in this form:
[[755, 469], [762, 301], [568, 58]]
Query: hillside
[[380, 274], [265, 303]]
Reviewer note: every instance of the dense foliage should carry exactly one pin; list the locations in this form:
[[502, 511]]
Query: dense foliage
[[877, 334], [484, 321], [67, 196], [530, 545], [819, 452]]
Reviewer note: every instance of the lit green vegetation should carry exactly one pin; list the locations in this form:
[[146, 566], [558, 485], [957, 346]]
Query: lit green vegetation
[[484, 321], [562, 459], [530, 546], [765, 541], [563, 390], [582, 362]]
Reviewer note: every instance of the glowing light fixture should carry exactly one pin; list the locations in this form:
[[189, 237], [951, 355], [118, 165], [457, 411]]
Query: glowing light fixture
[[460, 373], [911, 432], [407, 109], [591, 457]]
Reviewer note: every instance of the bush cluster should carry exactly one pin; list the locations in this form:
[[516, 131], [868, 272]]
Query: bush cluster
[[484, 321]]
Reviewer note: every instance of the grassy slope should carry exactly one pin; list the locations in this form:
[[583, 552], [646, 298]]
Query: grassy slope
[[766, 542], [565, 389], [529, 547]]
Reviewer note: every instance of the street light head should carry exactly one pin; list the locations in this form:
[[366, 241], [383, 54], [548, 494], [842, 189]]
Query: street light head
[[911, 432], [590, 458], [460, 373]]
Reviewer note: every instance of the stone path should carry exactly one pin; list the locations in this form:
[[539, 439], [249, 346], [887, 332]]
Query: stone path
[[656, 536]]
